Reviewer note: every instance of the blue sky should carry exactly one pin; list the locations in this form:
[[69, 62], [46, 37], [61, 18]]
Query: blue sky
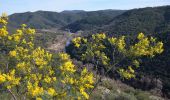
[[17, 6]]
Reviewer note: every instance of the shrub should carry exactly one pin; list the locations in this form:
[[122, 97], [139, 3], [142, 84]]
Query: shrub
[[36, 73], [115, 54]]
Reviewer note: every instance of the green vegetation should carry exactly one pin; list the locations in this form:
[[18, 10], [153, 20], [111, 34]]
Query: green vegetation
[[153, 73], [148, 20]]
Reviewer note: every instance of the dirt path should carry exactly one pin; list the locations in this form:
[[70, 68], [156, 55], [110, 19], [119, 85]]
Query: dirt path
[[60, 42], [58, 45]]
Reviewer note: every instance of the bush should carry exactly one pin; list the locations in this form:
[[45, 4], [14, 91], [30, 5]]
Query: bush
[[114, 54], [142, 95], [35, 73]]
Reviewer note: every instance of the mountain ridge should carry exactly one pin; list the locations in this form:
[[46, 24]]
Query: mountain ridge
[[48, 19], [147, 20]]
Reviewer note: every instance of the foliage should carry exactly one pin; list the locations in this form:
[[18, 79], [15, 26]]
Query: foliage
[[36, 73], [115, 53], [119, 91]]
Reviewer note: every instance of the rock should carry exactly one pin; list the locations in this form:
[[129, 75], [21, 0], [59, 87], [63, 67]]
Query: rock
[[104, 91]]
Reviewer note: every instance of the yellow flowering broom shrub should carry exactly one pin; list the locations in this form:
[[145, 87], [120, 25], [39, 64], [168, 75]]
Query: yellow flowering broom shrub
[[115, 53], [34, 73]]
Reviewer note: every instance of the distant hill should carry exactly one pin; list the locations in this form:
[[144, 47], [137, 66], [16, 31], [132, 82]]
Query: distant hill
[[94, 20], [47, 19], [44, 19], [148, 20]]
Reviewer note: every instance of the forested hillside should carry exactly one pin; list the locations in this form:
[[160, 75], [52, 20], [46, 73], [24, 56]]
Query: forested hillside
[[95, 20], [148, 20], [47, 19]]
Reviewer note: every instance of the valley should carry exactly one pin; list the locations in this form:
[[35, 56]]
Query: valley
[[56, 31]]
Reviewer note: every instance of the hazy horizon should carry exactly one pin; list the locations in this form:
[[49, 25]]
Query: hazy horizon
[[11, 7]]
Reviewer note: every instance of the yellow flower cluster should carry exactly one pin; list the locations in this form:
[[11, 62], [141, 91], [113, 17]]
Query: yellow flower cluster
[[146, 46], [9, 79], [86, 81], [41, 57], [100, 36], [67, 66], [112, 40], [118, 42], [140, 36], [77, 41], [64, 56], [30, 31], [3, 19], [104, 59], [23, 67], [121, 43], [3, 32], [110, 51], [2, 78], [13, 53], [52, 92], [127, 74], [95, 49], [82, 83], [20, 52], [34, 90]]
